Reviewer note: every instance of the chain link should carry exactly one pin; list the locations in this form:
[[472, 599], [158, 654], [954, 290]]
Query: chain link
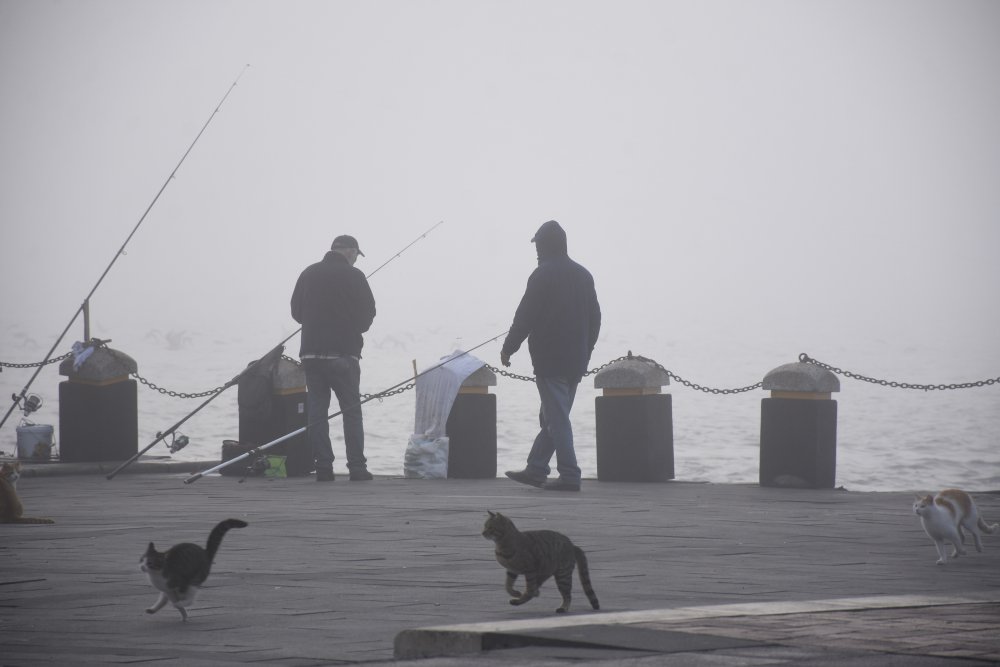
[[692, 385], [631, 357], [805, 358], [508, 374], [54, 360], [387, 394], [176, 394]]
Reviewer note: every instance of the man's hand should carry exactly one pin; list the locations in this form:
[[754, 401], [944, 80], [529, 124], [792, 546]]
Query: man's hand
[[505, 359]]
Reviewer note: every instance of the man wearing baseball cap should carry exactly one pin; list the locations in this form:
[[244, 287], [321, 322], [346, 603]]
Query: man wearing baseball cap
[[335, 306]]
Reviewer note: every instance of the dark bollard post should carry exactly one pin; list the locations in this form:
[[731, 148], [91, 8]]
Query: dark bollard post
[[98, 408], [798, 427], [635, 431], [472, 428], [280, 413]]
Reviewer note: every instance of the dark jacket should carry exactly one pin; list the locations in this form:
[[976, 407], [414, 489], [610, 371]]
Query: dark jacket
[[559, 313], [334, 304]]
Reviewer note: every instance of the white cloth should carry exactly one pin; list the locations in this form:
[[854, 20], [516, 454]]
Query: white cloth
[[437, 389], [427, 450]]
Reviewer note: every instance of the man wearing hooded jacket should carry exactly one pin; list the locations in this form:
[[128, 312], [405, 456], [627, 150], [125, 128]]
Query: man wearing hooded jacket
[[561, 318]]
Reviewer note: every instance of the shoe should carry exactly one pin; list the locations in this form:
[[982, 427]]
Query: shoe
[[561, 485], [325, 476], [361, 476], [523, 477]]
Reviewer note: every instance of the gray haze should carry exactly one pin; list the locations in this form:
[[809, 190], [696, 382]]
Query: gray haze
[[825, 175]]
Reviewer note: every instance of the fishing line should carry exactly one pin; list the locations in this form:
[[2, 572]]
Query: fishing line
[[121, 251], [404, 249], [256, 451], [277, 349]]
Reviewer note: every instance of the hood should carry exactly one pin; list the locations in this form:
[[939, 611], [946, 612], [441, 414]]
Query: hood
[[550, 240]]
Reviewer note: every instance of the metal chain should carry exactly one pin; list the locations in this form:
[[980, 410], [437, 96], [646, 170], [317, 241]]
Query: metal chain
[[697, 387], [512, 376], [630, 356], [54, 360], [176, 394], [805, 358], [386, 394]]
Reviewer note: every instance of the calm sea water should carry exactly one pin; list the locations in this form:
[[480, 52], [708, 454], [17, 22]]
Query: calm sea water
[[887, 439]]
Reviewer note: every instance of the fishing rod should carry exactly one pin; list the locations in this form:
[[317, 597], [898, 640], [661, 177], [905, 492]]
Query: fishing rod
[[17, 398], [256, 451], [277, 349]]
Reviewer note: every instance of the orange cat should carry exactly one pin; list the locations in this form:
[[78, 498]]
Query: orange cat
[[943, 517], [11, 508]]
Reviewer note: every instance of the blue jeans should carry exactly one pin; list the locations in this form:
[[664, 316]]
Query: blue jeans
[[556, 434], [342, 376]]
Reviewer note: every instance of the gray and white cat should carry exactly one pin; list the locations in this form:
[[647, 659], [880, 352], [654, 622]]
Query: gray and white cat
[[943, 517], [538, 555], [179, 571]]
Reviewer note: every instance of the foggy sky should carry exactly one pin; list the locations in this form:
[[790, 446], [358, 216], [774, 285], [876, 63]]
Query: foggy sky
[[812, 171]]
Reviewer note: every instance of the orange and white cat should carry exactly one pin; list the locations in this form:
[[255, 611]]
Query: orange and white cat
[[11, 509], [945, 515]]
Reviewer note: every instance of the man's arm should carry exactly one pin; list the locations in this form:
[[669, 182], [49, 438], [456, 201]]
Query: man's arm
[[525, 319]]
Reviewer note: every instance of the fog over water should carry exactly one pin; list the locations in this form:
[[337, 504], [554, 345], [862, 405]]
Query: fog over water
[[745, 180]]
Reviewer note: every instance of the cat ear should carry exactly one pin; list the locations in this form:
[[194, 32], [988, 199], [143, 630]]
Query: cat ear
[[490, 512]]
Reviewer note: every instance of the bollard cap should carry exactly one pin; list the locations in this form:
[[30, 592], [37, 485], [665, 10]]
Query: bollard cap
[[631, 374], [102, 365], [288, 377], [801, 377], [483, 377]]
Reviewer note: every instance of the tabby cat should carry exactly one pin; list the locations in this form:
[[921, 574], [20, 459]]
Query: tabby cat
[[943, 517], [11, 508], [179, 571], [538, 555]]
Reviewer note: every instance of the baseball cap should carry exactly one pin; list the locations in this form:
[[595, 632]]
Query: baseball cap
[[345, 241]]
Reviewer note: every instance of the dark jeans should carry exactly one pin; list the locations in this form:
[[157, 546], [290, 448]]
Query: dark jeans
[[556, 434], [343, 377]]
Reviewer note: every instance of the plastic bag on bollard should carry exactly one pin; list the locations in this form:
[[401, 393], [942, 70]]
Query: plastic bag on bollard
[[426, 457]]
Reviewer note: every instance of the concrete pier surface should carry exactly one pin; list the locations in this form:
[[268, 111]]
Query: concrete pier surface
[[396, 571]]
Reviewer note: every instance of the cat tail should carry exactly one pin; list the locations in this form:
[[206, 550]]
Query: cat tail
[[215, 537], [584, 571], [30, 519], [986, 527]]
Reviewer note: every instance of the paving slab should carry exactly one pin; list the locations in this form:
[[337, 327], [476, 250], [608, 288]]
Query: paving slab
[[335, 573]]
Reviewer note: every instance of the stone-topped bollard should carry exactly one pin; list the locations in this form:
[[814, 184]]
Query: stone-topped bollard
[[472, 428], [272, 403], [635, 430], [98, 408], [798, 427]]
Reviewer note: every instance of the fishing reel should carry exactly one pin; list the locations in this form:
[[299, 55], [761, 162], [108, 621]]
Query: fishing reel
[[260, 464], [178, 441], [31, 403], [28, 404]]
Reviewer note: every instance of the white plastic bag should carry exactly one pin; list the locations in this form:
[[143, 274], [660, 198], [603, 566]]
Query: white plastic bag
[[426, 457]]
